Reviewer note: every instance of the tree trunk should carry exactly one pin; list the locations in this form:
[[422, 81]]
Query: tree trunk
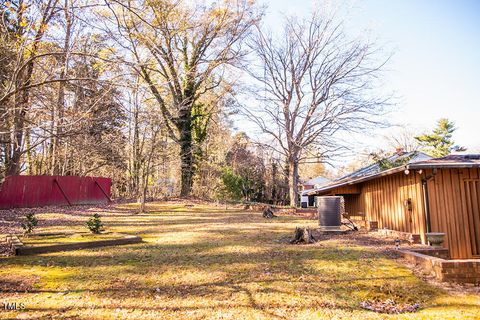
[[186, 154], [22, 98], [147, 169], [268, 213], [29, 151], [59, 112], [51, 146], [303, 235], [137, 153], [144, 193], [274, 183], [293, 180], [186, 163], [14, 166]]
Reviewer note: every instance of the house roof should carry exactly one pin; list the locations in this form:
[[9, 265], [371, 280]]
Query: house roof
[[318, 180], [369, 173], [410, 157], [450, 161]]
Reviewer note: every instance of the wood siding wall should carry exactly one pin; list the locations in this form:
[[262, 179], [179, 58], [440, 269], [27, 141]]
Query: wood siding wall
[[384, 201], [352, 189], [353, 204], [454, 199], [454, 203]]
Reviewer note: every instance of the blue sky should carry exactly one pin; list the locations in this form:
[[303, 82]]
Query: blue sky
[[435, 69]]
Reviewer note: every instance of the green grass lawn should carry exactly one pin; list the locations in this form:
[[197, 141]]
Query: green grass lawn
[[208, 262]]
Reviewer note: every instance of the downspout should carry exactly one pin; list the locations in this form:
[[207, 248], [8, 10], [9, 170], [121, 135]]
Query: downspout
[[426, 199], [426, 205]]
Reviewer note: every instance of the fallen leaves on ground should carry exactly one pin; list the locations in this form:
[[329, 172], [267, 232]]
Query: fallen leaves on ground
[[212, 262], [389, 306]]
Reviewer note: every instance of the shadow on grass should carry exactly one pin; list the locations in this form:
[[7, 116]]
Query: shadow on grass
[[202, 289], [343, 301], [222, 289], [240, 247]]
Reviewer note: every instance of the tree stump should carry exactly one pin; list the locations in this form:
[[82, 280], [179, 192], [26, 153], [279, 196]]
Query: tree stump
[[268, 213], [303, 235]]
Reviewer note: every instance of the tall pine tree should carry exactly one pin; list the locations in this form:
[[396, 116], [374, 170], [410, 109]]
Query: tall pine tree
[[439, 143]]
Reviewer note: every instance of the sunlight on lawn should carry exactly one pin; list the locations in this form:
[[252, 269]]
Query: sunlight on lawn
[[214, 263]]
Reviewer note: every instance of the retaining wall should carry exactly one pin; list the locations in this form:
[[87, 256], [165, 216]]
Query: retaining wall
[[457, 270]]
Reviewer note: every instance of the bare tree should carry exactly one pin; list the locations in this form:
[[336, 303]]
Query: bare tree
[[403, 139], [28, 36], [181, 51], [58, 111], [44, 83], [312, 83]]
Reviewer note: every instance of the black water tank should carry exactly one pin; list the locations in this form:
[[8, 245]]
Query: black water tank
[[329, 211]]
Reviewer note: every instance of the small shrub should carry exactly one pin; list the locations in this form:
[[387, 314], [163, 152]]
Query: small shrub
[[30, 223], [94, 224], [233, 185]]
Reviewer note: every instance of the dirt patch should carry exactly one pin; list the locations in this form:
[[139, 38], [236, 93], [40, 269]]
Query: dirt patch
[[10, 220], [386, 246], [372, 240], [310, 214]]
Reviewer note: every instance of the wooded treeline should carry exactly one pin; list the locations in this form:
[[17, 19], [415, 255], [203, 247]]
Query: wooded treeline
[[142, 92]]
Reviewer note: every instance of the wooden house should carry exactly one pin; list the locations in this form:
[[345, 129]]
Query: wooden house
[[432, 195]]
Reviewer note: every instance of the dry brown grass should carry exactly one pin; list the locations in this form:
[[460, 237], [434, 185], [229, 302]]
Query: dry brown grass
[[207, 262]]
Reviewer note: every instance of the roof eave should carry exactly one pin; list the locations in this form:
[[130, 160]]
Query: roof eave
[[359, 180], [412, 166], [460, 165]]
